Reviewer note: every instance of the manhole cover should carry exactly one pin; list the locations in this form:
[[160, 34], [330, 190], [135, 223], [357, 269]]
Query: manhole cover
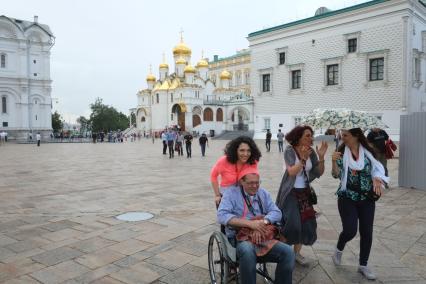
[[135, 216]]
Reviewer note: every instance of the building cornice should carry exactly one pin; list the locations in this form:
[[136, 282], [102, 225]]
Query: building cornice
[[318, 17]]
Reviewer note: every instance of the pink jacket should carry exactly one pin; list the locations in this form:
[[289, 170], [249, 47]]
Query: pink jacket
[[228, 172]]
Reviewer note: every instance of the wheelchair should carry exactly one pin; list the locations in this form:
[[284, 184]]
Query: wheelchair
[[223, 264]]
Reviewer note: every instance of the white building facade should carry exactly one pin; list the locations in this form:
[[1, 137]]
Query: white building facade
[[368, 57], [188, 98], [25, 84]]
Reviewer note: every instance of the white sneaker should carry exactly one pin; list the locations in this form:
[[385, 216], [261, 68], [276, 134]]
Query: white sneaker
[[337, 257], [300, 259], [365, 270]]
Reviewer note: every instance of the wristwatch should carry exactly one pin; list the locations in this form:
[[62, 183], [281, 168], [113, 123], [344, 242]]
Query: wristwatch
[[266, 221]]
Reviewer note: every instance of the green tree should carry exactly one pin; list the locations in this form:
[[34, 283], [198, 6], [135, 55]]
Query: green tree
[[106, 118], [57, 123], [84, 124]]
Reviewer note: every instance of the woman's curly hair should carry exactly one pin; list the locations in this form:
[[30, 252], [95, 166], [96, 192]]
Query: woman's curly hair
[[231, 150], [296, 133]]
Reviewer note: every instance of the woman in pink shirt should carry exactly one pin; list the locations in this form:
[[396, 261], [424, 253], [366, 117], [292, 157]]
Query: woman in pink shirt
[[240, 154]]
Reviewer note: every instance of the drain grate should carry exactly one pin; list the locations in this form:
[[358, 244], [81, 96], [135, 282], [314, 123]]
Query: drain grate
[[135, 216]]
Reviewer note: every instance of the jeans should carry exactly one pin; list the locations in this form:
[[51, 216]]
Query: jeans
[[281, 253], [164, 147], [350, 212], [268, 145], [280, 146], [171, 149], [203, 149], [179, 148], [188, 150]]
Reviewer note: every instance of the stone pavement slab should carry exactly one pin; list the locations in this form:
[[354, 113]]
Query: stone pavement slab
[[58, 208]]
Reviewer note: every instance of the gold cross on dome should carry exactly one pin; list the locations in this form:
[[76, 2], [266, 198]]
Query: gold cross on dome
[[181, 35]]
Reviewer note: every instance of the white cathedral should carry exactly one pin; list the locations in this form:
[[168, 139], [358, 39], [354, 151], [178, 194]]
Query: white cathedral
[[192, 98], [25, 84]]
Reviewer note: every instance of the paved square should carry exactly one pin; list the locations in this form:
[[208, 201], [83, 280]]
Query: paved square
[[58, 202]]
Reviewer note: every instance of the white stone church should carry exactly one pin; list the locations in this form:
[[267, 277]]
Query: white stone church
[[370, 57], [195, 99], [25, 84]]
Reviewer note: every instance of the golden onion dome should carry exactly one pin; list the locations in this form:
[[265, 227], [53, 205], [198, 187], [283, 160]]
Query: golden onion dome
[[151, 78], [181, 61], [202, 63], [164, 65], [189, 69], [225, 75], [181, 49]]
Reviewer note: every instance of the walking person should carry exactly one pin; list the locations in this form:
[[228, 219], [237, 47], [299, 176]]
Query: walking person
[[240, 153], [268, 140], [171, 137], [38, 138], [204, 141], [164, 140], [280, 138], [303, 165], [179, 143], [378, 138], [360, 175], [188, 145]]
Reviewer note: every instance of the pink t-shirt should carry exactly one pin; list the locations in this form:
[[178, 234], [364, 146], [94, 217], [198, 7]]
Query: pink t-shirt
[[228, 172]]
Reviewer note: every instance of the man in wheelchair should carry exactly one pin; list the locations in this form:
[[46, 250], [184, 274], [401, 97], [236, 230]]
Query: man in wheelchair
[[249, 213]]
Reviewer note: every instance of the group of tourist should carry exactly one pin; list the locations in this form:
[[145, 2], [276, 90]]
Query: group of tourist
[[280, 140], [173, 140], [248, 212]]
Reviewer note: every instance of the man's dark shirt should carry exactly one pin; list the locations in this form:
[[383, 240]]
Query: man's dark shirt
[[203, 140], [268, 136], [378, 139], [188, 139]]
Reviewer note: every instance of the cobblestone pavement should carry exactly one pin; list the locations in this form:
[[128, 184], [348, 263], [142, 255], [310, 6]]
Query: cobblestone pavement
[[58, 202]]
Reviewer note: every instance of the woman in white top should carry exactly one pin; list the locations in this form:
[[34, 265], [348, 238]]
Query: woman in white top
[[302, 163]]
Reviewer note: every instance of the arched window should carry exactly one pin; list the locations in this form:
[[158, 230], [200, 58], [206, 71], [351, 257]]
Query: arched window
[[158, 98], [208, 114], [219, 114], [3, 60], [143, 119], [3, 104]]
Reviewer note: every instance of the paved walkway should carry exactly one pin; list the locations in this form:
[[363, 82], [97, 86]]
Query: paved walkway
[[58, 202]]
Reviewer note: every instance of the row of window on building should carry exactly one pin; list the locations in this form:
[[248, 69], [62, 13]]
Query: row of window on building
[[376, 71]]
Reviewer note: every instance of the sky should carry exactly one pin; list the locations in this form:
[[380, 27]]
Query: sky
[[104, 48]]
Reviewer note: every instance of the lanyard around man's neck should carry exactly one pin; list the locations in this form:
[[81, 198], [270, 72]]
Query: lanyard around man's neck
[[248, 202]]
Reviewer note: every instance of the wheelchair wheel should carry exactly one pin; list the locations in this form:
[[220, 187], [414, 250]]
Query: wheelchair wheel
[[218, 265]]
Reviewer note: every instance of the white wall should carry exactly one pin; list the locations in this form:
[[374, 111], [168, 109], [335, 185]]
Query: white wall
[[310, 48]]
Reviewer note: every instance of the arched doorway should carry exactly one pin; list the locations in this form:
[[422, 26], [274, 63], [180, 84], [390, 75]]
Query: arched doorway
[[196, 116], [178, 111], [240, 122], [208, 114], [196, 120], [219, 115]]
